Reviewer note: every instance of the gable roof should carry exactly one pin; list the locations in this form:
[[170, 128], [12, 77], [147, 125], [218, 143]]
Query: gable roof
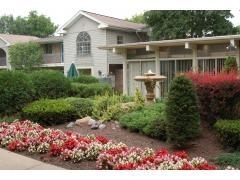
[[106, 22], [11, 39]]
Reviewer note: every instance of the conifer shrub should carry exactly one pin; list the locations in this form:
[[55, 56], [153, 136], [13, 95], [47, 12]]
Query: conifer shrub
[[230, 64], [182, 116]]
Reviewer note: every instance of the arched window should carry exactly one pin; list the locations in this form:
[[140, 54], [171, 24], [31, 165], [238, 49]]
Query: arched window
[[83, 44]]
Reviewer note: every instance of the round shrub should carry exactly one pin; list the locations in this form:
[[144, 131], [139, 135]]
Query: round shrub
[[89, 90], [49, 111], [82, 106], [182, 116], [86, 79], [16, 90], [229, 133], [149, 120], [50, 84]]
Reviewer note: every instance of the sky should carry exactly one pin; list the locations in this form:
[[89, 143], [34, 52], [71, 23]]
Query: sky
[[61, 11]]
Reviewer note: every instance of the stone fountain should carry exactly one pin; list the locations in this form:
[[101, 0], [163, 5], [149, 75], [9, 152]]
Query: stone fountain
[[150, 80]]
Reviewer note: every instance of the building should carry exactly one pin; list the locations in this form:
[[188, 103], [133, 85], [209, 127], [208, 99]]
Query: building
[[6, 40], [79, 41], [170, 57]]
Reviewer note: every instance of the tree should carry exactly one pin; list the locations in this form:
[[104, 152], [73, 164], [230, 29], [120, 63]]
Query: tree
[[25, 56], [6, 23], [238, 29], [169, 24], [182, 115], [33, 24], [137, 18]]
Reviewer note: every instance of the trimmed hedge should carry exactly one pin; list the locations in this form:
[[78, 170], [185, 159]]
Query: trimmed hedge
[[182, 116], [149, 120], [229, 133], [50, 84], [89, 90], [218, 95], [16, 90], [49, 111], [83, 107], [86, 79]]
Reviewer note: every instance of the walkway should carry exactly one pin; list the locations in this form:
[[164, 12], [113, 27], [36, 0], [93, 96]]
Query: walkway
[[13, 161]]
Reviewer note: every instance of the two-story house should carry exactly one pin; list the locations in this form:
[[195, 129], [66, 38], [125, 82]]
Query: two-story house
[[85, 32]]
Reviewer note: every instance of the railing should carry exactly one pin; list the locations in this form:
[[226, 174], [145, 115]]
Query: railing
[[52, 58], [3, 61]]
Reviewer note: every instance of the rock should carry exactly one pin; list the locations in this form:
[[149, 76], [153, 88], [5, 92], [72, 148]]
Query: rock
[[91, 121], [70, 125], [102, 126], [95, 125], [82, 121]]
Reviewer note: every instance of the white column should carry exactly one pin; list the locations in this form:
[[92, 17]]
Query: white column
[[125, 70], [237, 55], [194, 61], [157, 70]]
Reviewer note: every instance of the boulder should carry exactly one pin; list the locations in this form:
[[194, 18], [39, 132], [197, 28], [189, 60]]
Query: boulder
[[83, 120], [102, 126], [95, 125], [70, 125], [91, 121]]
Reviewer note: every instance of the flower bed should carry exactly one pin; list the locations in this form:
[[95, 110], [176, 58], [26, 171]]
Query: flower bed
[[31, 137]]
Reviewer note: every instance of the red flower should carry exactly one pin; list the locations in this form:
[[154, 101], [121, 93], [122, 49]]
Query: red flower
[[55, 150], [187, 166], [206, 166], [12, 146], [127, 166], [161, 152], [181, 154], [102, 139], [84, 139], [70, 144]]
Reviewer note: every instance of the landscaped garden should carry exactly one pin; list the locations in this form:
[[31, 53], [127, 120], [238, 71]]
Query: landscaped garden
[[195, 127]]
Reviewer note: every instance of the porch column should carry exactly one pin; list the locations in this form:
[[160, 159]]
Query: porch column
[[157, 70], [237, 55], [125, 70], [195, 63]]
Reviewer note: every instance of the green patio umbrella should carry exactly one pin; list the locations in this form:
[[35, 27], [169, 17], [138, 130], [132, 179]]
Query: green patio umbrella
[[72, 72]]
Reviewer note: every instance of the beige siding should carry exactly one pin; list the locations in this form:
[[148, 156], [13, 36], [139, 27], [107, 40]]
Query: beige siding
[[112, 39], [55, 56], [98, 58]]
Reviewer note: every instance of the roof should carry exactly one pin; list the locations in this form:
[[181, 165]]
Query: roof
[[176, 42], [13, 39], [51, 39], [106, 22]]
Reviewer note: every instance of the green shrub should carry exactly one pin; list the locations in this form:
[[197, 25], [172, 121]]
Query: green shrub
[[228, 159], [182, 116], [149, 120], [138, 98], [86, 79], [230, 64], [49, 112], [89, 90], [50, 84], [16, 90], [229, 133], [106, 107], [82, 106]]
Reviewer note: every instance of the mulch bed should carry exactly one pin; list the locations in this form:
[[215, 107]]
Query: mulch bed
[[205, 146]]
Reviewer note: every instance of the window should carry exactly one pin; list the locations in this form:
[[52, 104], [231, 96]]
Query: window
[[83, 44], [48, 49], [119, 39]]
